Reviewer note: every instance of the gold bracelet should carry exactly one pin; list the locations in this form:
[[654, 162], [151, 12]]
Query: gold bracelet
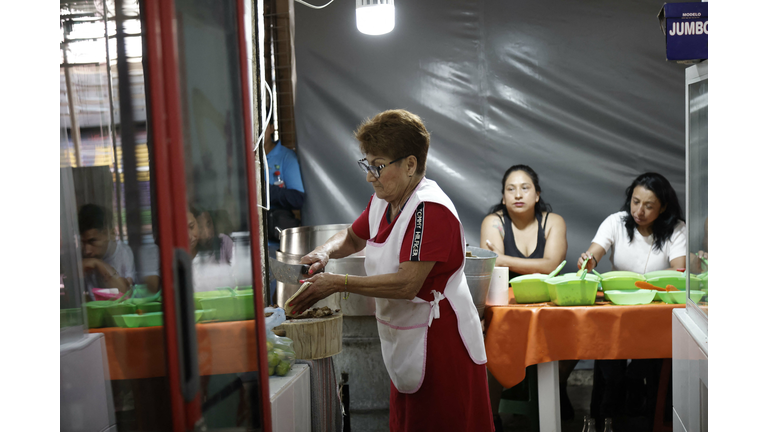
[[346, 293]]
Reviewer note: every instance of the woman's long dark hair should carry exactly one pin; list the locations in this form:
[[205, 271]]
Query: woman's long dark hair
[[664, 225], [541, 206]]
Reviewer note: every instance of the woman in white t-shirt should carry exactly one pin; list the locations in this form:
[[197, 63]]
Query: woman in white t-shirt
[[648, 234]]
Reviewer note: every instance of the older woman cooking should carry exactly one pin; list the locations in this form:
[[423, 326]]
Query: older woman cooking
[[414, 261]]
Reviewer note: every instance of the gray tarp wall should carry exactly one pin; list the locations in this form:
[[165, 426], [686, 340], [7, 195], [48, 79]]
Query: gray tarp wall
[[578, 90]]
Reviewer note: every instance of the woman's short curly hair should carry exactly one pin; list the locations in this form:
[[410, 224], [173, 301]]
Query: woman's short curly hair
[[395, 133]]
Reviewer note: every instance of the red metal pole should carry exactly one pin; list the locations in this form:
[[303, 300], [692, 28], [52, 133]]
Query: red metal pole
[[154, 56]]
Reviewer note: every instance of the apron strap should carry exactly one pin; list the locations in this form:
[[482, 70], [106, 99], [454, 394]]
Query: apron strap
[[434, 311]]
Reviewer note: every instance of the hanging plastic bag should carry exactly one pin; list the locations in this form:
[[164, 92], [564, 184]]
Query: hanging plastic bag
[[280, 353]]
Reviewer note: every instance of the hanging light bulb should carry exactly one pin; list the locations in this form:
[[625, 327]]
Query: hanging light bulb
[[375, 17]]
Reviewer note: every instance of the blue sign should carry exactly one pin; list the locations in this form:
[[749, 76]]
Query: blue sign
[[686, 29]]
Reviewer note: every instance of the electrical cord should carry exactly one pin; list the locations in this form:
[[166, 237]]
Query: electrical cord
[[313, 6], [263, 149]]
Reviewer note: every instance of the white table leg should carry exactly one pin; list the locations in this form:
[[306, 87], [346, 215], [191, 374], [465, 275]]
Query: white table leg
[[549, 397]]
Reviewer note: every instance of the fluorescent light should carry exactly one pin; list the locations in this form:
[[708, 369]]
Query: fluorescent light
[[375, 17]]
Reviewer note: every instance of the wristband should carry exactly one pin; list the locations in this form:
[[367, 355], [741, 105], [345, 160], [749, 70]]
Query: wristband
[[346, 293]]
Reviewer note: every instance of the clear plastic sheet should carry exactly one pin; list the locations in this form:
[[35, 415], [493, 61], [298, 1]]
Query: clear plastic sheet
[[580, 91]]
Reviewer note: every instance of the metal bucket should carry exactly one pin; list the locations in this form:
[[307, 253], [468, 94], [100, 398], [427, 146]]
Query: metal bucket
[[297, 242], [478, 269]]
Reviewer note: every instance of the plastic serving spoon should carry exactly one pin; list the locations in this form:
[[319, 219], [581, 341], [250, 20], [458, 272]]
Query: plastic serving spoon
[[599, 276], [647, 286], [557, 270], [704, 260], [583, 266]]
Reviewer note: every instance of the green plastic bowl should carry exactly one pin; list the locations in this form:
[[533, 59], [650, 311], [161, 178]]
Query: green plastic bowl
[[620, 280], [570, 290], [630, 297], [678, 297], [704, 279], [153, 319], [530, 288], [676, 281]]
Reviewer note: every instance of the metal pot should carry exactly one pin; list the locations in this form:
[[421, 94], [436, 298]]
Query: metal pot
[[478, 269], [297, 242], [302, 240]]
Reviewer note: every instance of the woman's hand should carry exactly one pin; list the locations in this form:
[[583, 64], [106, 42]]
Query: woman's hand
[[323, 285], [318, 259], [587, 256]]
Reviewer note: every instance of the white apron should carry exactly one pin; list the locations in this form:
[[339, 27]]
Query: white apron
[[403, 324]]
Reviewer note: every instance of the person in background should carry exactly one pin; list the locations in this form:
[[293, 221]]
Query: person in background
[[286, 193], [431, 337], [646, 235], [210, 269], [528, 238], [107, 263], [210, 240]]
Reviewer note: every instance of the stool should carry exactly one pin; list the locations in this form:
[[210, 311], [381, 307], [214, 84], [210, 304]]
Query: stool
[[661, 398], [523, 398]]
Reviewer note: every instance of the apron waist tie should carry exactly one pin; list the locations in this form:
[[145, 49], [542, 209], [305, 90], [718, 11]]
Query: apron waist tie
[[434, 311]]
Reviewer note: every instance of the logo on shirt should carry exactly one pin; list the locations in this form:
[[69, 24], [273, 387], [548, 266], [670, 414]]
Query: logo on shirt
[[417, 233]]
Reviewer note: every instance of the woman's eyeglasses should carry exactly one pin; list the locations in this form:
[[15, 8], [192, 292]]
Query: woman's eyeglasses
[[375, 169]]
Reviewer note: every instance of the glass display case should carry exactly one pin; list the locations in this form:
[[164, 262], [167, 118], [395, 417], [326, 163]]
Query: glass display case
[[697, 189], [159, 224]]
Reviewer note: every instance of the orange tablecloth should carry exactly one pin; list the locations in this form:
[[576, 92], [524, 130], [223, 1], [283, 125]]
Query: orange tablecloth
[[227, 347], [523, 335]]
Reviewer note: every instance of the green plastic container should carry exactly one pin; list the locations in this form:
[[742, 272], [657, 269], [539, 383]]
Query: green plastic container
[[228, 307], [153, 319], [96, 311], [117, 309], [570, 290], [70, 317], [206, 314], [530, 288], [659, 273], [620, 280], [677, 281], [630, 297], [678, 297], [150, 307], [704, 279]]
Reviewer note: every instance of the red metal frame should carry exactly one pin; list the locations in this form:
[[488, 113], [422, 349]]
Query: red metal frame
[[170, 188], [258, 286], [165, 215]]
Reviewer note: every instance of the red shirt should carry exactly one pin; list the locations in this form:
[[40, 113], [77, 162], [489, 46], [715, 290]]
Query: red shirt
[[440, 241]]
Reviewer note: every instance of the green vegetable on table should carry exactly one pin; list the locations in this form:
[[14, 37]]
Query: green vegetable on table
[[283, 368]]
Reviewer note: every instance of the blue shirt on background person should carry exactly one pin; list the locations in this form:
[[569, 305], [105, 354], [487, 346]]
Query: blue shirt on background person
[[286, 193]]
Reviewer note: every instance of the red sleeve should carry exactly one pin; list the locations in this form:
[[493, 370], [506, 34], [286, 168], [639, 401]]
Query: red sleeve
[[360, 226], [432, 235]]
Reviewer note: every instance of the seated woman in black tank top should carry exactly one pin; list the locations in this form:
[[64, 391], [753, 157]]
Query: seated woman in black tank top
[[528, 238], [522, 229]]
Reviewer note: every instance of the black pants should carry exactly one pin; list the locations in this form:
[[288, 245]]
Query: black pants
[[619, 388]]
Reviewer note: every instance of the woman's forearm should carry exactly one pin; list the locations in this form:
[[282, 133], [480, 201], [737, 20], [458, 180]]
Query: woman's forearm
[[339, 246], [527, 265], [391, 286]]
